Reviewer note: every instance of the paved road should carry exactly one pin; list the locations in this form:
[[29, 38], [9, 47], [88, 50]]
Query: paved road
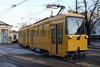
[[95, 44], [13, 55]]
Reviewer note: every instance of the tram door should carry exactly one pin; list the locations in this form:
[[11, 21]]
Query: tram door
[[56, 39]]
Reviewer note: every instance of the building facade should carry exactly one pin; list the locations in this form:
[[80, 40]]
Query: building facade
[[4, 32], [13, 36]]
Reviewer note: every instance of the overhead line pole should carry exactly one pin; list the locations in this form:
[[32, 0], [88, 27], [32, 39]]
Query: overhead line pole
[[76, 7]]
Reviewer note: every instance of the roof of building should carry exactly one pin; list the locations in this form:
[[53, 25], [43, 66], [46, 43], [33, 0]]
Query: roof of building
[[3, 23]]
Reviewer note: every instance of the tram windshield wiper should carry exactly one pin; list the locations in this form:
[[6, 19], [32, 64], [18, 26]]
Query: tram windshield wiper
[[80, 29]]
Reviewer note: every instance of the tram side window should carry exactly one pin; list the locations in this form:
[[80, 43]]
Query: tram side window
[[60, 35], [33, 33], [20, 35], [45, 30], [38, 32], [29, 34], [41, 31], [24, 36], [52, 36]]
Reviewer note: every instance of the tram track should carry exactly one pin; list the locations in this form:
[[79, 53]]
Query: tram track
[[44, 59], [41, 59], [33, 58]]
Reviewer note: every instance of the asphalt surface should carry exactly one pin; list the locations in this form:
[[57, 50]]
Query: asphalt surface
[[12, 55]]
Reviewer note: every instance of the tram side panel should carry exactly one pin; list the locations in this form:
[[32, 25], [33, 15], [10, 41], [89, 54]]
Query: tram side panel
[[31, 39], [44, 38], [19, 37], [25, 38], [35, 38], [41, 38]]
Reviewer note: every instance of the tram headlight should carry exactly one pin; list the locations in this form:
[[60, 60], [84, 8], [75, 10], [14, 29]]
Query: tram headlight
[[86, 37], [69, 36]]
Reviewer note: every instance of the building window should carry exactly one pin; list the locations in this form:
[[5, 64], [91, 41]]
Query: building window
[[14, 37]]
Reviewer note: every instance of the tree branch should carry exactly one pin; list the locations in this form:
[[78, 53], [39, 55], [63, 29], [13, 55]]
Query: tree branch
[[93, 10], [94, 24], [85, 4]]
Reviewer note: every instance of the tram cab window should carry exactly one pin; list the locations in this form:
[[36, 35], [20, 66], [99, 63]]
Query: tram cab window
[[75, 25]]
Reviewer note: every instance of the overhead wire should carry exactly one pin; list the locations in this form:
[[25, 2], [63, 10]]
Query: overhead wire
[[3, 12]]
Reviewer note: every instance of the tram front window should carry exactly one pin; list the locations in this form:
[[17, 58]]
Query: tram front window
[[75, 25]]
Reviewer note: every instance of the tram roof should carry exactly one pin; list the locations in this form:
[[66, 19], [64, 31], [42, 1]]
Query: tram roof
[[52, 19]]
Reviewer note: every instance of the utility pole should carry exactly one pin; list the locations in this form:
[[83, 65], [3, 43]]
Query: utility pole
[[76, 7]]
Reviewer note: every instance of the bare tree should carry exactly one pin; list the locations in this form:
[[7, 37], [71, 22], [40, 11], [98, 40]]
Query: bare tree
[[23, 25], [88, 16], [90, 12]]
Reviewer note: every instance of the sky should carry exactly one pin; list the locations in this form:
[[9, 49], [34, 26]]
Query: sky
[[29, 11]]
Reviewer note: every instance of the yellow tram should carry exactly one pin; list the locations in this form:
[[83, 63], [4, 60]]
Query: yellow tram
[[62, 35]]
